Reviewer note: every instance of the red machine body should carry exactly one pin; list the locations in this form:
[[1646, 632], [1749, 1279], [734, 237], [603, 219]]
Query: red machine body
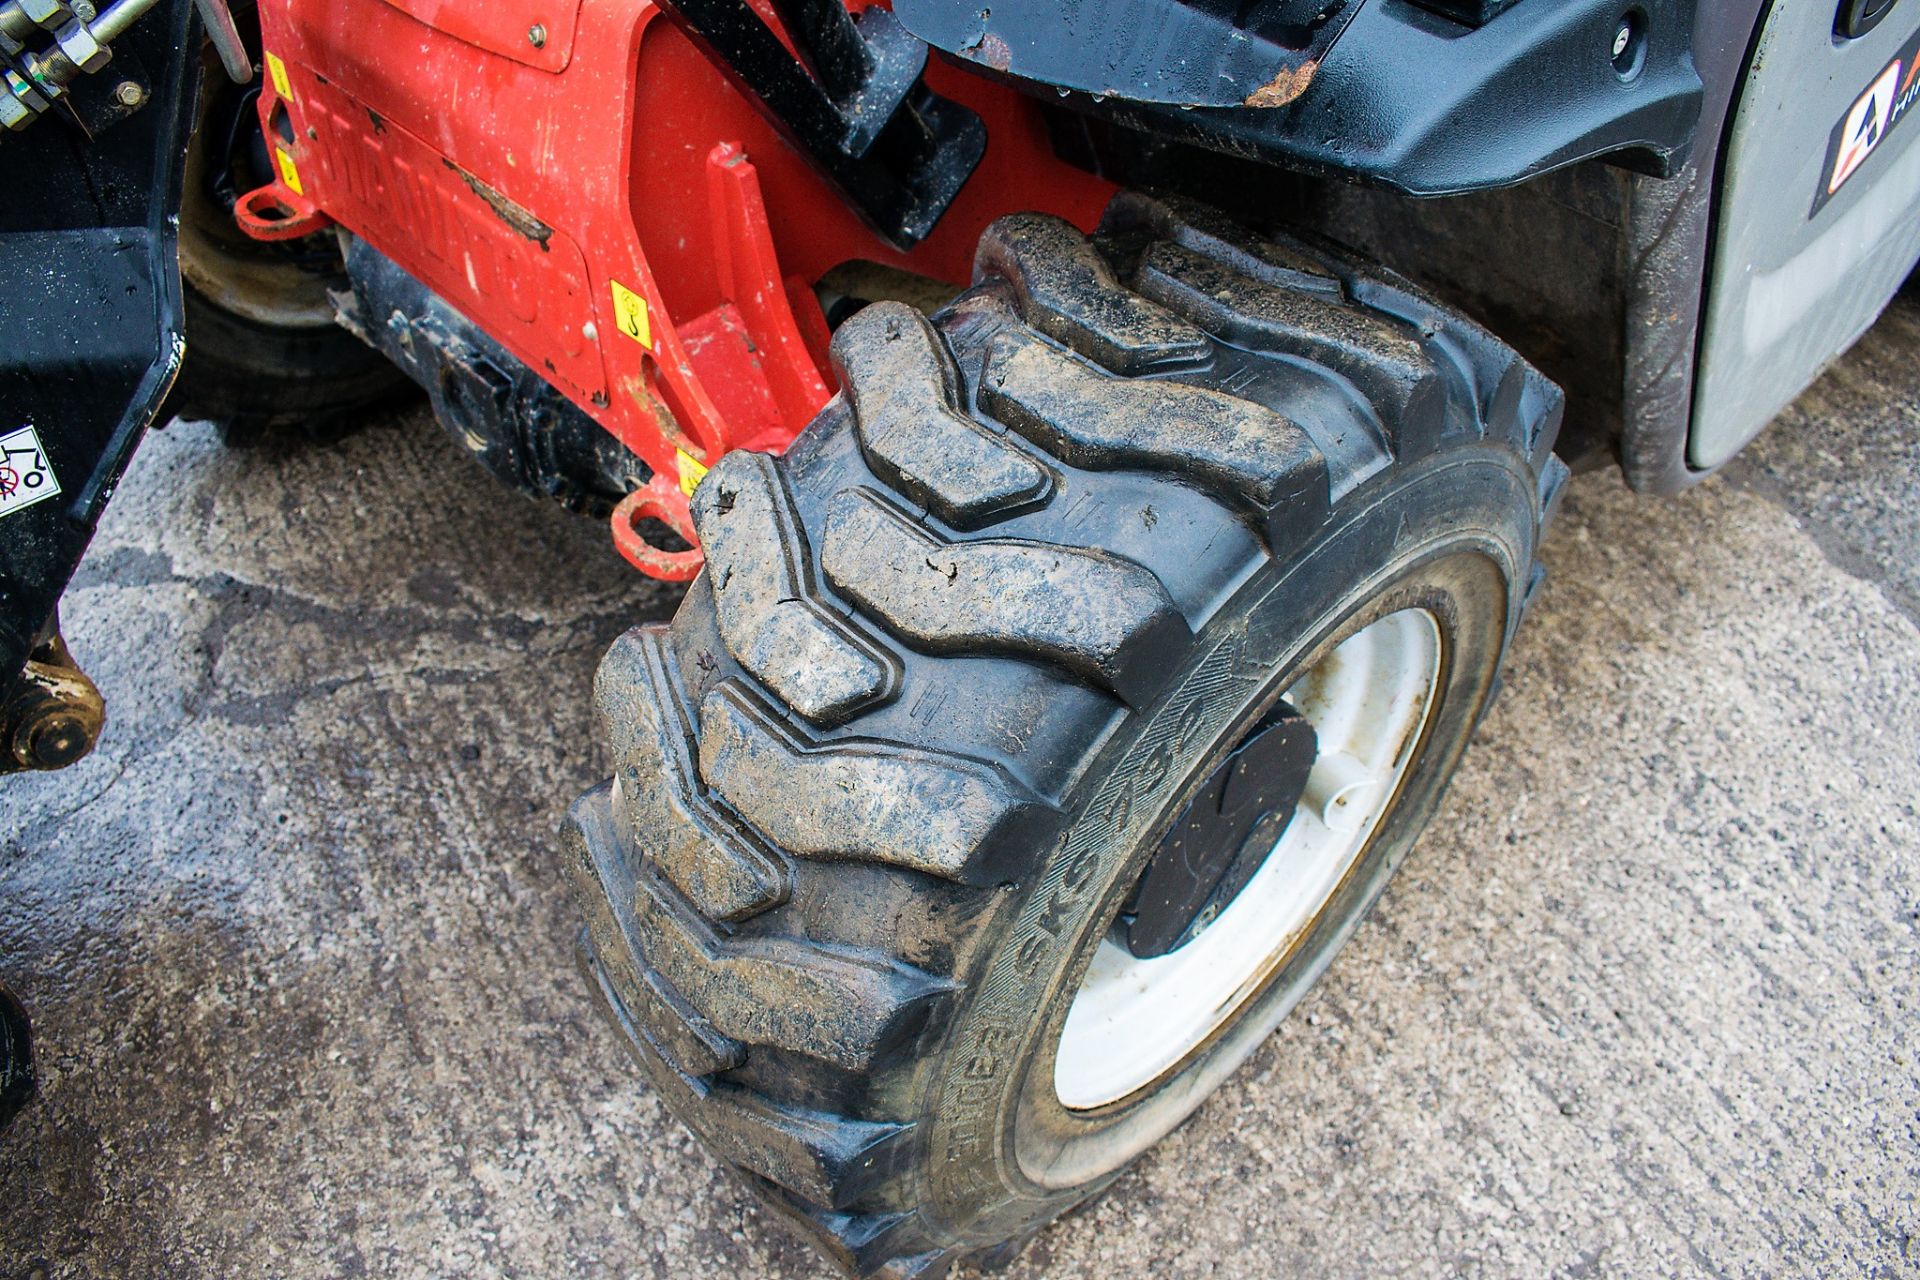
[[578, 179]]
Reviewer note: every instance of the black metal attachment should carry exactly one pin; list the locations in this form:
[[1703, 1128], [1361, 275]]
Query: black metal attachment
[[90, 326], [856, 105], [1223, 836]]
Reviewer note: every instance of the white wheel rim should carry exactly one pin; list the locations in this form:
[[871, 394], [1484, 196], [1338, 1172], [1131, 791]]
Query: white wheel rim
[[1133, 1020]]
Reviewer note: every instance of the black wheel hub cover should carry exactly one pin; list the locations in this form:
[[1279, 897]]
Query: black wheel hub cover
[[1223, 836]]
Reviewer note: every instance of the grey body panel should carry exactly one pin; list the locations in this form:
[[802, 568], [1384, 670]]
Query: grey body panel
[[1788, 292]]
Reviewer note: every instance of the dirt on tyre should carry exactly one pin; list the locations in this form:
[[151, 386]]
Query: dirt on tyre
[[1048, 716]]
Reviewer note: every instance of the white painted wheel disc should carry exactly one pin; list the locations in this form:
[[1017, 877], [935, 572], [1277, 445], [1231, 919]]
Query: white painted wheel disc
[[1134, 1020]]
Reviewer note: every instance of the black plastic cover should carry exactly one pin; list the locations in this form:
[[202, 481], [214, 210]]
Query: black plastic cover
[[1395, 93], [1197, 53]]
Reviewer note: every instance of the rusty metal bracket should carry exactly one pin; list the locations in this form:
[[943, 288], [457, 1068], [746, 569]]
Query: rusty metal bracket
[[52, 716]]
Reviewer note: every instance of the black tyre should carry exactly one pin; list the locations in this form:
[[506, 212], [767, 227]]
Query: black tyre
[[263, 350], [957, 696]]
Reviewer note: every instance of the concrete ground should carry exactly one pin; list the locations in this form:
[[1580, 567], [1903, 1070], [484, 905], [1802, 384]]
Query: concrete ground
[[299, 952]]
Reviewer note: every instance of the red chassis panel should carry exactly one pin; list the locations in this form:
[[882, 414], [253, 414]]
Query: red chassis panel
[[584, 185]]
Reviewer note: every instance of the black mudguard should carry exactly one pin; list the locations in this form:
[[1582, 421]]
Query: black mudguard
[[1390, 91]]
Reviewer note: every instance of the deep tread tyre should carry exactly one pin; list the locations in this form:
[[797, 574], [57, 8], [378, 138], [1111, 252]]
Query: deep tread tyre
[[255, 380], [904, 750]]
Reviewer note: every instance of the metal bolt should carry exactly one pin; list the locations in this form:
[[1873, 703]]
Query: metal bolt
[[55, 743], [129, 94], [537, 36], [84, 11], [78, 46], [1622, 38]]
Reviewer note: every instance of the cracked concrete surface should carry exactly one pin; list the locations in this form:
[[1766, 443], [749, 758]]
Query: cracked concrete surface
[[298, 949]]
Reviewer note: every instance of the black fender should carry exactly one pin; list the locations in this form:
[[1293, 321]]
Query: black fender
[[1384, 90]]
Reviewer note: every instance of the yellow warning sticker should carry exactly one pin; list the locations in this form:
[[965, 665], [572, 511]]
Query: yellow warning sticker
[[691, 473], [630, 313], [277, 72], [289, 174]]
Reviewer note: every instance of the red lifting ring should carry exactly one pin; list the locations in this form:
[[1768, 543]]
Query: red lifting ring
[[278, 212], [661, 500]]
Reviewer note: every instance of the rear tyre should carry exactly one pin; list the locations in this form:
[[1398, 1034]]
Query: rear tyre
[[263, 351], [997, 634]]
